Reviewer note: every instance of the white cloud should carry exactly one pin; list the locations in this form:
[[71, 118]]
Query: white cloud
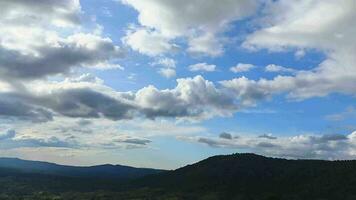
[[191, 19], [149, 42], [33, 12], [167, 72], [202, 67], [206, 44], [165, 62], [168, 67], [192, 98], [242, 67], [303, 26], [278, 68]]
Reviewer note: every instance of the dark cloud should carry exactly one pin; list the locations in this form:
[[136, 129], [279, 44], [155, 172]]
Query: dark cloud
[[267, 136], [193, 98], [86, 103], [76, 103], [84, 122], [139, 141], [14, 106], [225, 135], [58, 59], [332, 137], [266, 145], [330, 146], [210, 142]]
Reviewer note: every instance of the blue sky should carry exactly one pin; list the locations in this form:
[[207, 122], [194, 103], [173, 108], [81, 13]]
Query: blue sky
[[155, 83]]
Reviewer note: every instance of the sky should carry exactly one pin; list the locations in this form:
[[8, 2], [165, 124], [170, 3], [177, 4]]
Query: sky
[[165, 83]]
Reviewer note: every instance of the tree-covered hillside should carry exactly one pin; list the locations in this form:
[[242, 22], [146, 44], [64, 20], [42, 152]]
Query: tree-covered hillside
[[237, 176]]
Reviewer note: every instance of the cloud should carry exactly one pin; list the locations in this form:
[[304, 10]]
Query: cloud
[[189, 19], [86, 103], [9, 140], [83, 97], [267, 136], [333, 146], [16, 107], [202, 67], [137, 141], [168, 67], [79, 50], [167, 72], [41, 101], [225, 135], [148, 42], [242, 67], [206, 44], [7, 135], [84, 122], [33, 12], [194, 98], [300, 27], [278, 68], [165, 62], [350, 112], [32, 47]]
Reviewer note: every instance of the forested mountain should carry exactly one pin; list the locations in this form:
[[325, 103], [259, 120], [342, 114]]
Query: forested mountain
[[237, 176], [99, 171]]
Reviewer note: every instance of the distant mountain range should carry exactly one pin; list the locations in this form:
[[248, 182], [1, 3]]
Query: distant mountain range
[[99, 171], [228, 177]]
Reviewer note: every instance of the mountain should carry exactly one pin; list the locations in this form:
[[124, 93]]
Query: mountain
[[227, 177], [251, 176], [99, 171]]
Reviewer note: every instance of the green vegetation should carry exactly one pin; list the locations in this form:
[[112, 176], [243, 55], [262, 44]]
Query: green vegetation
[[238, 176]]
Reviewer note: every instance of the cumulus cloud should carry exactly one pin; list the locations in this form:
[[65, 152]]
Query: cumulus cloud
[[77, 50], [149, 42], [189, 19], [242, 67], [202, 67], [206, 44], [31, 47], [334, 146], [192, 97], [288, 26], [167, 65]]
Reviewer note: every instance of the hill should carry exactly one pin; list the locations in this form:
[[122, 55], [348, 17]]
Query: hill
[[237, 176], [99, 171], [251, 176]]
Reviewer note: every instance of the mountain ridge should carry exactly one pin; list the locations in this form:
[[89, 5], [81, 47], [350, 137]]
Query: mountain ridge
[[238, 176], [99, 171]]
